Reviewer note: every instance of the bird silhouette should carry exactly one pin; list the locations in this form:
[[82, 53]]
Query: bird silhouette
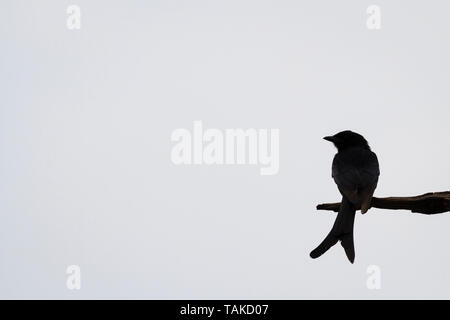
[[355, 170]]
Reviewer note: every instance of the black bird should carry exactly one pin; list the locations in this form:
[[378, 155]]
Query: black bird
[[355, 170]]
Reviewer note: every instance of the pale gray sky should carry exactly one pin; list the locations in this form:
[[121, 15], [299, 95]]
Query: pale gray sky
[[86, 118]]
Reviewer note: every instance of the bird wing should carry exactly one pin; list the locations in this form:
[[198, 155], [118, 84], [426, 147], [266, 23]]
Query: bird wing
[[356, 172]]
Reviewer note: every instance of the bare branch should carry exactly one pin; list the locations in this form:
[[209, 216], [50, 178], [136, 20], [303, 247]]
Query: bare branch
[[428, 203]]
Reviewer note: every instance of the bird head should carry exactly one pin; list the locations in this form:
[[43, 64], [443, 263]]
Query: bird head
[[348, 139]]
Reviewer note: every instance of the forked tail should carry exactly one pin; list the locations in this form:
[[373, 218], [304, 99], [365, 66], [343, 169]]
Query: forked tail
[[342, 231]]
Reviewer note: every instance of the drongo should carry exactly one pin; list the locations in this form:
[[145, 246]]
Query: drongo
[[355, 170]]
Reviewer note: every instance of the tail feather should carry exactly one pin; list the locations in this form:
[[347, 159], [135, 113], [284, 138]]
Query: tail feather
[[329, 241], [349, 246], [342, 231]]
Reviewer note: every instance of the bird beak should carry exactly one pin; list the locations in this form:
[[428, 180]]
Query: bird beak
[[329, 138]]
